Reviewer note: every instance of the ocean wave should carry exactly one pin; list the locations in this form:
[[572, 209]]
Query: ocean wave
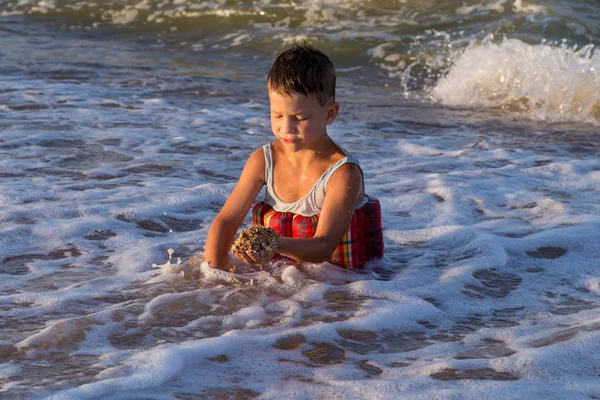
[[381, 19], [435, 49], [546, 82]]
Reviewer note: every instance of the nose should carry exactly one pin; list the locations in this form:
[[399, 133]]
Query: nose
[[288, 125]]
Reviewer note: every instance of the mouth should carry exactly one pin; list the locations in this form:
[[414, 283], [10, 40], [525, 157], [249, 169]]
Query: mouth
[[284, 140]]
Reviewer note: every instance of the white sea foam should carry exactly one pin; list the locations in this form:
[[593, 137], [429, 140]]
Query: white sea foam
[[543, 82], [459, 256]]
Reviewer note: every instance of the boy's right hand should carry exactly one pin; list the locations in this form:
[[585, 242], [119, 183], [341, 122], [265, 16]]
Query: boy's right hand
[[256, 245]]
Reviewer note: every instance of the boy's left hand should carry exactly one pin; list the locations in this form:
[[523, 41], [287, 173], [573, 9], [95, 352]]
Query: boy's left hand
[[252, 258], [256, 245]]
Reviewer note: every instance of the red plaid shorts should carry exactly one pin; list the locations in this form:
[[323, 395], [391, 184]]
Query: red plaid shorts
[[362, 242]]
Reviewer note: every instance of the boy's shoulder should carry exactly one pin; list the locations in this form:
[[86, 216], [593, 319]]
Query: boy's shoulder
[[255, 165], [257, 155]]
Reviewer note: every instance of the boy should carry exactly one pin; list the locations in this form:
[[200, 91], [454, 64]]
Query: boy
[[315, 195]]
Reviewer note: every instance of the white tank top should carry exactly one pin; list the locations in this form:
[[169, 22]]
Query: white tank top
[[312, 203]]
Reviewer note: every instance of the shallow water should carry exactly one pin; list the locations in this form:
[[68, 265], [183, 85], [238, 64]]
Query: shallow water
[[120, 138]]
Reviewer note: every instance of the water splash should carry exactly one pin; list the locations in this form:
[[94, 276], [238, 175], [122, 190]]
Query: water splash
[[168, 267], [546, 82]]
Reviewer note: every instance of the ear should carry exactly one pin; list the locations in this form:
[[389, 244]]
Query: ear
[[332, 112]]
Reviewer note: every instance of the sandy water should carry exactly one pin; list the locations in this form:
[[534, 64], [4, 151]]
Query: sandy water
[[120, 141]]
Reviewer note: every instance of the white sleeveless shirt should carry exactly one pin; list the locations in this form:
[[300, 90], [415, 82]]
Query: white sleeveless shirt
[[312, 203]]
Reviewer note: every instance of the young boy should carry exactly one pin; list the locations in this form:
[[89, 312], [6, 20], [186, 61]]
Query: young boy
[[315, 195]]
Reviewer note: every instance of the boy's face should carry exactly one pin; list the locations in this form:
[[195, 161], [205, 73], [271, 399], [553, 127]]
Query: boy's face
[[299, 121]]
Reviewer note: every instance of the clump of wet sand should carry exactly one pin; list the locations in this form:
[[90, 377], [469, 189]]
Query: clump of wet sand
[[256, 240]]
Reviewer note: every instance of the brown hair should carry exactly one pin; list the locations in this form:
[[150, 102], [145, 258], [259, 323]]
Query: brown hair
[[305, 70]]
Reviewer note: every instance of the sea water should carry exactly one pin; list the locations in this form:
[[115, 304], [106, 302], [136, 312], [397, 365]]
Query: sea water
[[124, 125]]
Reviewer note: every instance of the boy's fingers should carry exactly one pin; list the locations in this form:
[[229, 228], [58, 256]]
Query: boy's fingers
[[242, 257], [262, 256], [248, 258], [254, 258]]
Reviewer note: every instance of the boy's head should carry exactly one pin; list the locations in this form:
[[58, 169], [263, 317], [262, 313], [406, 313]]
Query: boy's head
[[305, 70]]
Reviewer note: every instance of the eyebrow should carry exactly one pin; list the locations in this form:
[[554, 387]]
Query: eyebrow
[[299, 112]]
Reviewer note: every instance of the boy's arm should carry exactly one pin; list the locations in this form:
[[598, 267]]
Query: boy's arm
[[225, 225], [343, 190]]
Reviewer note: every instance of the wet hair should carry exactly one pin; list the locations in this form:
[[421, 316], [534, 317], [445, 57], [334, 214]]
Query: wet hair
[[305, 70]]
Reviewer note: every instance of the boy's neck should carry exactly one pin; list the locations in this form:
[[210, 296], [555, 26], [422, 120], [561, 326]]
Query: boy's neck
[[325, 148]]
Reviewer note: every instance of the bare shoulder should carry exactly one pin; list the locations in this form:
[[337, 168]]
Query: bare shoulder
[[346, 184], [345, 174], [257, 156], [255, 166], [345, 187]]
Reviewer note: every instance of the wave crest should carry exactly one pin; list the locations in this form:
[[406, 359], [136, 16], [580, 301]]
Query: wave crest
[[543, 82]]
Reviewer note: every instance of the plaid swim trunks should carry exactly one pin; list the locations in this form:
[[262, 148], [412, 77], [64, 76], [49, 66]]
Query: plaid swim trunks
[[362, 242]]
